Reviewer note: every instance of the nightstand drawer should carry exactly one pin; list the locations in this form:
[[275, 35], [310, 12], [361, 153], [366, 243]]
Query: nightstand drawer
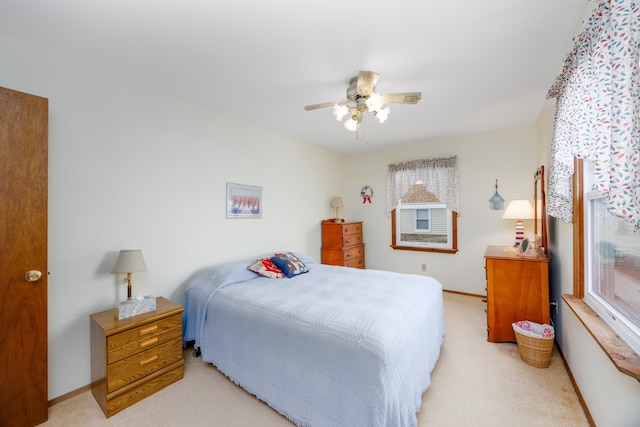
[[141, 334], [135, 392], [125, 344], [141, 364]]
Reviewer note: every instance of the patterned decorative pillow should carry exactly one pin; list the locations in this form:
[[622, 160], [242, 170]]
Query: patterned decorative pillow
[[289, 264], [265, 267]]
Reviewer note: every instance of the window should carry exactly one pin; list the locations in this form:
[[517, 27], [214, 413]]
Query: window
[[597, 119], [423, 225], [611, 265], [422, 220], [422, 199]]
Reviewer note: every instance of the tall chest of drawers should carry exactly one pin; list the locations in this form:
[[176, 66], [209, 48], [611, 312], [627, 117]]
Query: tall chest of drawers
[[133, 358], [342, 244]]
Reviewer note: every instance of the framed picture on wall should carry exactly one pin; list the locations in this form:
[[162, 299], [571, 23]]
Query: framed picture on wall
[[244, 201]]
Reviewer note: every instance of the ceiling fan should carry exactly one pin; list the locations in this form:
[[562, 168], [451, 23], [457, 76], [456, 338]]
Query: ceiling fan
[[361, 97]]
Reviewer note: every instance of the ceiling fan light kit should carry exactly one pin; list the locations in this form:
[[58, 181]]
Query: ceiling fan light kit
[[361, 97]]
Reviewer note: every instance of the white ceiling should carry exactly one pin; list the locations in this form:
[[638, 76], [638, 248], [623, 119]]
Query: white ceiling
[[480, 65]]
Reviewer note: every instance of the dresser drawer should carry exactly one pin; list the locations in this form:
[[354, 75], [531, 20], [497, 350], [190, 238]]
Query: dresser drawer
[[355, 262], [141, 364], [124, 344], [353, 253], [349, 229], [351, 240]]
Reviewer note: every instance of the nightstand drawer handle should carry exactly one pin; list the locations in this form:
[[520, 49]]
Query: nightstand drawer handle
[[148, 330], [149, 360], [148, 342]]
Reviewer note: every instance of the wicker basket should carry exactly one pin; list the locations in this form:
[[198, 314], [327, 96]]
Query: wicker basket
[[534, 351]]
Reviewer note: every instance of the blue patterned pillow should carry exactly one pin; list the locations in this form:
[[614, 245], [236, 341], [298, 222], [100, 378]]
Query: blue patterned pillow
[[289, 264]]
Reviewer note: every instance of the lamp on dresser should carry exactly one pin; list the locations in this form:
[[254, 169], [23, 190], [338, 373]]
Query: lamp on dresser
[[519, 210], [131, 261], [337, 203]]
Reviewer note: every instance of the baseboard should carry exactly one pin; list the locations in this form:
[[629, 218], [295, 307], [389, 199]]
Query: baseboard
[[576, 388], [464, 293], [69, 395]]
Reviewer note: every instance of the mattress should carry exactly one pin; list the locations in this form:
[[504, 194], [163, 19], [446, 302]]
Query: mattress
[[335, 346]]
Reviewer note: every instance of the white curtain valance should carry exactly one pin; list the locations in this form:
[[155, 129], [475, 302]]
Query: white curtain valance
[[439, 175]]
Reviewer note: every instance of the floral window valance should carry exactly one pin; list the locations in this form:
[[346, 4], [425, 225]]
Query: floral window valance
[[598, 112], [439, 175]]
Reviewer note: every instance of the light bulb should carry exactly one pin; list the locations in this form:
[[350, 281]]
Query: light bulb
[[383, 114], [351, 125], [374, 102], [340, 111]]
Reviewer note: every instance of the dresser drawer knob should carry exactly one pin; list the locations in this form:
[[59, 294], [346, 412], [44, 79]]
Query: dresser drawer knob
[[149, 360], [148, 342], [148, 330]]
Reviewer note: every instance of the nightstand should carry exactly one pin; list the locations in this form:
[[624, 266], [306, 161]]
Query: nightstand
[[133, 358]]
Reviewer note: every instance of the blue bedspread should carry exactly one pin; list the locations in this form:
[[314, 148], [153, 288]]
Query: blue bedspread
[[332, 347]]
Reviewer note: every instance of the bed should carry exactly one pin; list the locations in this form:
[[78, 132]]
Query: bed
[[335, 346]]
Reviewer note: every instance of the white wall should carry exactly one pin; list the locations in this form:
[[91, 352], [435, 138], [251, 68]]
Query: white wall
[[611, 396], [130, 167], [134, 168], [509, 155]]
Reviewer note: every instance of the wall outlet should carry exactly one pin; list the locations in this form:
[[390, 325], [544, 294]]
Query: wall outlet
[[424, 267]]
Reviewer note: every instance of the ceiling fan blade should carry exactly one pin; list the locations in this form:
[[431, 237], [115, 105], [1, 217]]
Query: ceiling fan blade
[[325, 105], [402, 98], [366, 82]]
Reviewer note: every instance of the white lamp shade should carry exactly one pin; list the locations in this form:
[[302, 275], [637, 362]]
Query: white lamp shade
[[518, 209], [337, 202], [129, 261], [351, 125], [340, 111], [374, 102], [383, 114]]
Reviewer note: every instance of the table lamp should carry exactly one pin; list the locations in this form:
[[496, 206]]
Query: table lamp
[[129, 261], [337, 204], [519, 210]]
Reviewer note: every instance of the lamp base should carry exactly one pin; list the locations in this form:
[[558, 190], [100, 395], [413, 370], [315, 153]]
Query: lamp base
[[135, 306], [519, 233]]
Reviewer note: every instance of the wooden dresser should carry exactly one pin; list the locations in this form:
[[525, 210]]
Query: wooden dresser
[[135, 357], [517, 289], [342, 244]]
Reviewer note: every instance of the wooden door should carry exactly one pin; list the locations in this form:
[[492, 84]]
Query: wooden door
[[23, 249]]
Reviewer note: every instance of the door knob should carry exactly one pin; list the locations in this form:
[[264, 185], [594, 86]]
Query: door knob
[[33, 275]]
